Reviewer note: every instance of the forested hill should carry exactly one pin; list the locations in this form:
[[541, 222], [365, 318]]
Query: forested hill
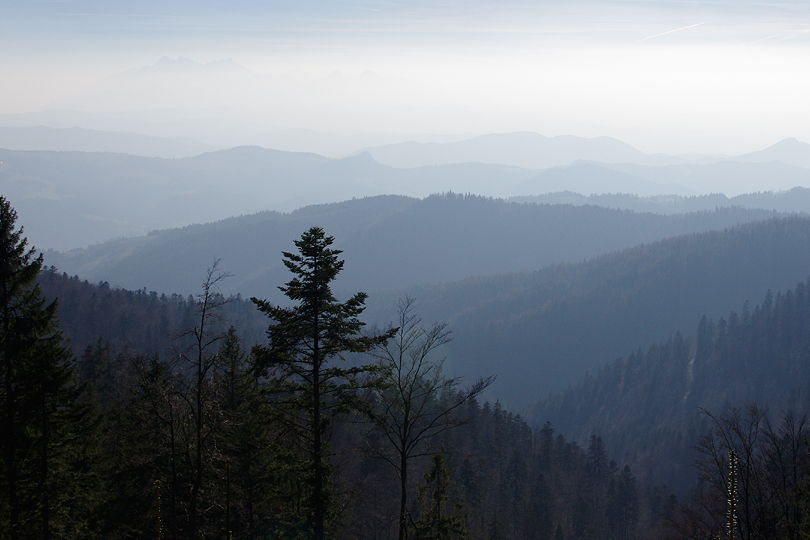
[[204, 441], [72, 199], [795, 200], [138, 322], [538, 331], [541, 331], [390, 241], [647, 405]]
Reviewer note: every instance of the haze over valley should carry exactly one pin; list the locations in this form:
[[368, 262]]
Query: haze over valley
[[377, 270]]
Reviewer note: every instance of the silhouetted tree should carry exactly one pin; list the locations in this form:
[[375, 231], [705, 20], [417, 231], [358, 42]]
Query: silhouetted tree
[[44, 419], [304, 342], [205, 336], [764, 465], [418, 401]]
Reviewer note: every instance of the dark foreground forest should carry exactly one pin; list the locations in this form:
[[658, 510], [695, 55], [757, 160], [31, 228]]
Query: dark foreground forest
[[312, 425], [323, 431]]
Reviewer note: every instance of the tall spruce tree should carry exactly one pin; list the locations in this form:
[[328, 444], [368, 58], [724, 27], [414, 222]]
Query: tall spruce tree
[[254, 471], [305, 340], [43, 421]]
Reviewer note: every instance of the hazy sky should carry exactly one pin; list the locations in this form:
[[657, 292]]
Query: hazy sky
[[678, 76]]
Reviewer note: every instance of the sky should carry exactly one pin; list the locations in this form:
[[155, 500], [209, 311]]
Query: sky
[[673, 77]]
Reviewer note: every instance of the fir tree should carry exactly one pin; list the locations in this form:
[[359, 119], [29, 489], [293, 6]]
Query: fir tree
[[253, 475], [305, 340], [45, 423]]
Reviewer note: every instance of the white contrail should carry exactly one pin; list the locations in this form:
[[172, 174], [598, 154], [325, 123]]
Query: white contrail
[[672, 31]]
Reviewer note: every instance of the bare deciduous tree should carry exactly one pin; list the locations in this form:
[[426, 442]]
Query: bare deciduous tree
[[769, 476], [418, 401], [205, 337]]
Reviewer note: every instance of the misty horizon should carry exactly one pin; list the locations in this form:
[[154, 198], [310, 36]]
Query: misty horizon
[[405, 269], [669, 77]]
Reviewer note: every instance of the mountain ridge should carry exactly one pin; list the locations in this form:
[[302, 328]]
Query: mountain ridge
[[405, 240]]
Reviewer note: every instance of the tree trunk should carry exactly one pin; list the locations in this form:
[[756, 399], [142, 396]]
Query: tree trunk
[[11, 453], [9, 427], [228, 533], [317, 495], [44, 494], [403, 496], [194, 524], [319, 510], [173, 466], [249, 508]]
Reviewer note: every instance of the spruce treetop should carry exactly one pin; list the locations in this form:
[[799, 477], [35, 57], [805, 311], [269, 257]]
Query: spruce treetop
[[19, 264]]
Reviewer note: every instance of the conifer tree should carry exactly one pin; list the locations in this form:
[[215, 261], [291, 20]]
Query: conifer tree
[[251, 471], [41, 407], [438, 522], [145, 446], [305, 341]]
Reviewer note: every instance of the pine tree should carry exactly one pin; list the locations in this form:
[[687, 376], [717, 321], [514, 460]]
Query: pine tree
[[147, 446], [623, 506], [437, 521], [44, 421], [304, 342], [252, 474]]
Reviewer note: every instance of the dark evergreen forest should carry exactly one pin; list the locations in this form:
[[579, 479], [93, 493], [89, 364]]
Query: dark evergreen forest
[[738, 383], [537, 331], [405, 270], [542, 331], [139, 322], [215, 439], [133, 414]]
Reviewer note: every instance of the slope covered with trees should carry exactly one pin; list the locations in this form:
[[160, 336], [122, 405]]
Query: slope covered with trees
[[133, 321], [796, 200], [537, 331], [648, 404], [645, 407], [395, 241], [201, 444], [541, 331]]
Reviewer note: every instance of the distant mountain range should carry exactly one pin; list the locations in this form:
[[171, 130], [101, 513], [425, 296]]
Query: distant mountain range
[[535, 151], [73, 199], [605, 165], [527, 150], [90, 140], [592, 178], [729, 177], [790, 151], [390, 242], [215, 127]]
